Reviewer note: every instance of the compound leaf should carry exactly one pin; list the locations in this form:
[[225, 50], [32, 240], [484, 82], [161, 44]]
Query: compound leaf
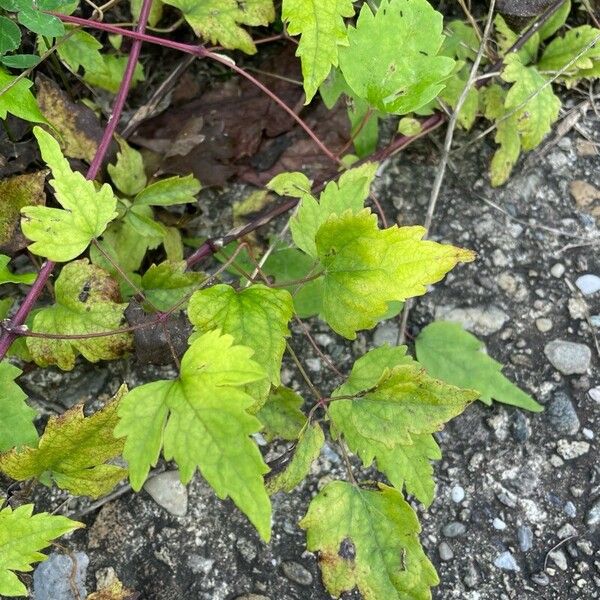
[[87, 302], [307, 450], [452, 354], [322, 30], [256, 317], [406, 72], [22, 536], [63, 234], [73, 452], [368, 540], [16, 417], [16, 99], [218, 21], [367, 267], [201, 419]]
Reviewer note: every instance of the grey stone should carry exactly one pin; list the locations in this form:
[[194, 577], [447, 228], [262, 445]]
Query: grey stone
[[594, 394], [200, 564], [567, 530], [479, 320], [541, 579], [471, 579], [525, 538], [54, 579], [454, 529], [521, 428], [506, 561], [167, 490], [296, 572], [559, 559], [543, 324], [570, 450], [557, 270], [386, 333], [588, 284], [457, 493], [445, 551], [593, 515], [561, 414], [499, 524], [570, 510], [569, 358]]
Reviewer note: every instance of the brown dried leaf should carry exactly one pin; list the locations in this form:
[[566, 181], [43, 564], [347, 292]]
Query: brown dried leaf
[[79, 128], [15, 193]]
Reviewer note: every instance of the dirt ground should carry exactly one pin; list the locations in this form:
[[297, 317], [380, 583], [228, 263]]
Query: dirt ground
[[517, 513]]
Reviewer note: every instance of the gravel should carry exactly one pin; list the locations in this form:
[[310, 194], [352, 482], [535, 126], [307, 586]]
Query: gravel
[[588, 284], [457, 494], [525, 538], [569, 358], [445, 551], [506, 561], [562, 415], [454, 529], [167, 490]]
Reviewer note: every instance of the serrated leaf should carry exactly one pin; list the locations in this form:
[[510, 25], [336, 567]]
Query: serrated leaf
[[368, 540], [128, 173], [461, 42], [87, 302], [366, 268], [406, 72], [556, 21], [218, 21], [349, 193], [452, 354], [81, 49], [281, 415], [20, 61], [10, 35], [168, 283], [405, 402], [562, 50], [256, 316], [73, 451], [16, 99], [109, 74], [307, 450], [6, 276], [169, 191], [22, 536], [401, 454], [62, 235], [506, 38], [470, 108], [322, 30], [16, 417], [41, 23], [202, 422]]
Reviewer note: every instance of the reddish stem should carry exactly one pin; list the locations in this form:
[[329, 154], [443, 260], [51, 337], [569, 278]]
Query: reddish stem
[[8, 335]]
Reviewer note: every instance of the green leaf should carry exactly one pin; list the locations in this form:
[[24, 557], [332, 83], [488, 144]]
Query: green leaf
[[16, 99], [562, 50], [470, 108], [109, 74], [217, 21], [202, 422], [62, 235], [366, 268], [368, 540], [20, 61], [41, 23], [506, 38], [290, 264], [322, 30], [73, 451], [128, 172], [22, 536], [81, 49], [349, 193], [10, 35], [16, 417], [556, 21], [168, 283], [87, 302], [7, 277], [281, 415], [166, 192], [156, 11], [461, 43], [450, 353], [406, 72], [256, 317], [307, 450]]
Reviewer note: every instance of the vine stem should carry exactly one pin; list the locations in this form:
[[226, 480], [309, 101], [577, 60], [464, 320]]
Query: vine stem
[[8, 335]]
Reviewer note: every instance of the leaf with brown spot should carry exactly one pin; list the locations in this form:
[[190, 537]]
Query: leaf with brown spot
[[15, 193], [79, 128]]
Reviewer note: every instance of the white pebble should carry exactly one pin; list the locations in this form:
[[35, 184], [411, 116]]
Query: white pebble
[[588, 284], [457, 494], [499, 524]]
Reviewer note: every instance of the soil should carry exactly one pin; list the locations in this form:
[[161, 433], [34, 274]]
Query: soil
[[507, 462]]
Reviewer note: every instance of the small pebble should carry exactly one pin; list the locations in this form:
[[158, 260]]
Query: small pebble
[[587, 433], [593, 516], [541, 579], [562, 415], [525, 538], [457, 494], [588, 284], [557, 270], [296, 572], [559, 559], [167, 490], [499, 524], [570, 510], [56, 579], [570, 450], [569, 358], [594, 394], [454, 529], [445, 552], [567, 530], [506, 561], [543, 324]]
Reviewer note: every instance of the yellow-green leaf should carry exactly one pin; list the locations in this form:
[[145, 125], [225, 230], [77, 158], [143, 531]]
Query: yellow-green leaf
[[281, 415], [128, 172]]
